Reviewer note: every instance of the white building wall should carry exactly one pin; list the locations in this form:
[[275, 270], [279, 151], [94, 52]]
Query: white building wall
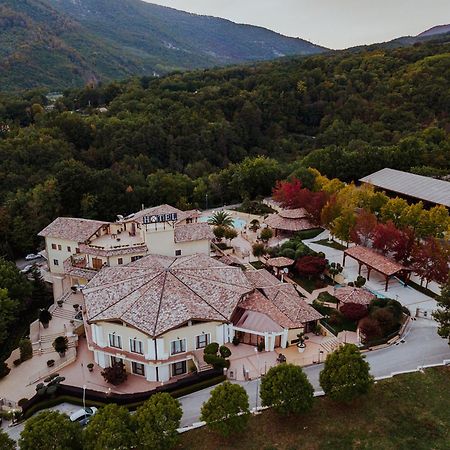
[[67, 250]]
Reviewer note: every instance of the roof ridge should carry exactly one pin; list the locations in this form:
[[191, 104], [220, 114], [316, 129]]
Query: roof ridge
[[160, 302]]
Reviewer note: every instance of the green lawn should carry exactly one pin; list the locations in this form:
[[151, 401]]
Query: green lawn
[[258, 265], [408, 412], [332, 244], [310, 285]]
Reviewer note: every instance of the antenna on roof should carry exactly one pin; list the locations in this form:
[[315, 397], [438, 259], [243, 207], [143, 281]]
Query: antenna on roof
[[142, 207]]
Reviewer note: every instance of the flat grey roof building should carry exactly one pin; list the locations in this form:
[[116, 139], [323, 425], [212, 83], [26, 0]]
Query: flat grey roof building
[[416, 186]]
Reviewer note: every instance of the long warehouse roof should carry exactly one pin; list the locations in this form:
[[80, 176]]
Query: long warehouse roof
[[412, 185]]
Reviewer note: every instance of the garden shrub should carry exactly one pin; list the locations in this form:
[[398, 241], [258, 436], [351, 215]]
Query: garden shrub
[[211, 348], [116, 374], [26, 349], [17, 362], [370, 329], [4, 370], [225, 352], [386, 320], [288, 253]]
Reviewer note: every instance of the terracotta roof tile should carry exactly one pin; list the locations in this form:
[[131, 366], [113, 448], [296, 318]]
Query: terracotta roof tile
[[193, 232], [72, 229], [350, 294], [156, 293], [278, 222], [375, 260]]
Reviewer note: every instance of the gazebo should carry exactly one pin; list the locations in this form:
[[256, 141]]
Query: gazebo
[[279, 263], [290, 221], [351, 294], [375, 261]]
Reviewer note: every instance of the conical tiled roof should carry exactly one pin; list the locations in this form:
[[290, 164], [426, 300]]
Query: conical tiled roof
[[158, 293]]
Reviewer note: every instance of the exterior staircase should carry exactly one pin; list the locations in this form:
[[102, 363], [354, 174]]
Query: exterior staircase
[[329, 345]]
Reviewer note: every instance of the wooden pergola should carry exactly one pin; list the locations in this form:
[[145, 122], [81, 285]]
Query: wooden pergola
[[375, 261], [280, 263]]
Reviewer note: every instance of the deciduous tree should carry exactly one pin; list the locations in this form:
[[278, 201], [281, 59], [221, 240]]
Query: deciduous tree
[[311, 266], [157, 421], [287, 389], [227, 409], [362, 232], [345, 375], [50, 430], [110, 428]]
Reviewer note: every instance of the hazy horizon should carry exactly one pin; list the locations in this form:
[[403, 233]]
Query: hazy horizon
[[331, 23]]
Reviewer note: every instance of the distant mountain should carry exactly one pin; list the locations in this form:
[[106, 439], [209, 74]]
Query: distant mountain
[[63, 43], [438, 29]]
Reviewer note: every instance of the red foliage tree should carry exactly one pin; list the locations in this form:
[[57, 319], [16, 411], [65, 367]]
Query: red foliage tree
[[311, 266], [354, 311], [386, 237], [430, 260], [370, 329], [404, 246], [364, 228], [291, 195]]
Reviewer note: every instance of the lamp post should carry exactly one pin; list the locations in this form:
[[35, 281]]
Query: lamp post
[[257, 379], [320, 353]]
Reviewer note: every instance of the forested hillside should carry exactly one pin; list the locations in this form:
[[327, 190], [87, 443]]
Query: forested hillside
[[226, 133], [63, 43]]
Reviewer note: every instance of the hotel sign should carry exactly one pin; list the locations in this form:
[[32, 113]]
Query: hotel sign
[[160, 218]]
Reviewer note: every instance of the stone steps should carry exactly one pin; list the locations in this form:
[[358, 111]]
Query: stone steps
[[330, 345]]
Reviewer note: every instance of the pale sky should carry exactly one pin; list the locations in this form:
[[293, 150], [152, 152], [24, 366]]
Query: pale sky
[[332, 23]]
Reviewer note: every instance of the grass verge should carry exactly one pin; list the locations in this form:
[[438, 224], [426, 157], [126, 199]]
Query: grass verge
[[406, 412], [332, 244]]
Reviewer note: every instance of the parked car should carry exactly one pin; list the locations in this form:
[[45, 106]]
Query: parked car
[[32, 256], [83, 415], [27, 268]]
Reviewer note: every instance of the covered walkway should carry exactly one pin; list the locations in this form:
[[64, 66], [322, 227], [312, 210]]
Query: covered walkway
[[377, 262]]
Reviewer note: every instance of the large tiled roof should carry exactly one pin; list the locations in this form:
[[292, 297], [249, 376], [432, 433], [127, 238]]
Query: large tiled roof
[[412, 185], [284, 297], [351, 294], [297, 213], [156, 293], [280, 261], [375, 260], [278, 222], [165, 209], [193, 232], [72, 229]]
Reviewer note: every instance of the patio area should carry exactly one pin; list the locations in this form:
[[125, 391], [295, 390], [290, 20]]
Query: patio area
[[77, 374], [246, 363]]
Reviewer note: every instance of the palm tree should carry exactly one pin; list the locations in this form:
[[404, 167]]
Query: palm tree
[[221, 218]]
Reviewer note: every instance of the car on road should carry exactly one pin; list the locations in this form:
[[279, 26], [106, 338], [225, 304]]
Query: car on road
[[32, 256], [27, 268], [83, 415]]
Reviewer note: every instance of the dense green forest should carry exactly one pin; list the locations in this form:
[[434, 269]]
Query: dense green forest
[[219, 135]]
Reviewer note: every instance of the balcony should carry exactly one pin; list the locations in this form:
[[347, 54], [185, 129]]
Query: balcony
[[121, 243]]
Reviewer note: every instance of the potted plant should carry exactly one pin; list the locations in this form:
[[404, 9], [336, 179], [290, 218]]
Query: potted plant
[[50, 363], [61, 344], [301, 344], [90, 366], [76, 306], [235, 341], [60, 303], [44, 317]]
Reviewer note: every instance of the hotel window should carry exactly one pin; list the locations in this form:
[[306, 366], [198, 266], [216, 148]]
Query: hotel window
[[115, 341], [77, 250], [179, 368], [69, 249], [120, 261], [137, 368], [202, 340], [135, 258], [56, 262], [177, 252], [178, 346], [115, 360], [136, 346], [54, 246], [59, 247]]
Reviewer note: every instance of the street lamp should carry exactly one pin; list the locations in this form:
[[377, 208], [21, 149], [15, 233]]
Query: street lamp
[[320, 353], [257, 379]]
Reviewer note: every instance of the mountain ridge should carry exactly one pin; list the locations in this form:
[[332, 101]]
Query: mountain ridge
[[64, 43]]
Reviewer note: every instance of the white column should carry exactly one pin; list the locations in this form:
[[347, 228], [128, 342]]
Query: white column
[[161, 354], [151, 354], [284, 339], [272, 342], [164, 372], [266, 342], [220, 334], [97, 335], [230, 333], [100, 358], [150, 373]]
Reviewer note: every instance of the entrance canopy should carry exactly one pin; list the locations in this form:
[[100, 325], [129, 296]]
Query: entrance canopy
[[375, 261]]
